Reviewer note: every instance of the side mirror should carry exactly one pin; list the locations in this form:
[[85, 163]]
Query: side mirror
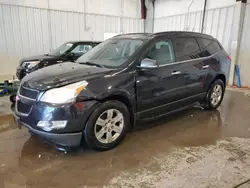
[[147, 63]]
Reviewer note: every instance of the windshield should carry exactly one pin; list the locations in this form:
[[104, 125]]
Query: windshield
[[111, 53], [61, 50]]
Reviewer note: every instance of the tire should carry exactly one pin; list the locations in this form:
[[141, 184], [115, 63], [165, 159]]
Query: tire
[[13, 98], [97, 134], [210, 102]]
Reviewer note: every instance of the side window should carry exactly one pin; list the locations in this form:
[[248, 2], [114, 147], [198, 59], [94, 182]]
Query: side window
[[186, 49], [209, 47], [162, 51], [81, 49]]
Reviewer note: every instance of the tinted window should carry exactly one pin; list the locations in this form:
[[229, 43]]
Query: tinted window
[[186, 49], [162, 52], [61, 49], [209, 47], [81, 49]]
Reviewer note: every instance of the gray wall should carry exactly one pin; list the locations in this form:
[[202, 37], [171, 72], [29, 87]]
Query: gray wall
[[26, 31]]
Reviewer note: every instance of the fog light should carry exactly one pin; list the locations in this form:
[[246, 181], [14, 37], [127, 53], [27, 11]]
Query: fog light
[[50, 125]]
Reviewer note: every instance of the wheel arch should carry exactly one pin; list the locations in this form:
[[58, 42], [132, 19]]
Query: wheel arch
[[220, 76], [125, 100]]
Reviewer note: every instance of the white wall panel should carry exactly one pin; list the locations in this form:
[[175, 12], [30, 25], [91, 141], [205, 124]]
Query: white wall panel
[[190, 22], [69, 5], [23, 32], [132, 25], [164, 8], [131, 12], [26, 31], [110, 7], [244, 54], [131, 8], [30, 3], [218, 23]]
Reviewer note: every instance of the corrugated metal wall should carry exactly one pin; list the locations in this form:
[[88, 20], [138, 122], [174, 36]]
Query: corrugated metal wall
[[244, 52], [26, 31], [218, 23]]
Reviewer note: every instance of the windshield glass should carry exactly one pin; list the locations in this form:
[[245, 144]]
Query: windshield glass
[[61, 50], [111, 53]]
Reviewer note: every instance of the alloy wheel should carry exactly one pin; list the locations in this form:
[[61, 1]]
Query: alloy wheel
[[216, 95], [109, 125]]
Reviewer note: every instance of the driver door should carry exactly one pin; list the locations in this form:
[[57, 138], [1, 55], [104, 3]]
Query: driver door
[[158, 88]]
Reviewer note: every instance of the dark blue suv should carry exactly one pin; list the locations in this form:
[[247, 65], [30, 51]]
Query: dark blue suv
[[126, 78]]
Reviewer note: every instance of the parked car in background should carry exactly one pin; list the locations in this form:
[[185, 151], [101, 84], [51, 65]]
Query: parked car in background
[[126, 78], [69, 51]]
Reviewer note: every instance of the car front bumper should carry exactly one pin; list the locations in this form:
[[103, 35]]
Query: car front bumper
[[76, 115], [59, 141]]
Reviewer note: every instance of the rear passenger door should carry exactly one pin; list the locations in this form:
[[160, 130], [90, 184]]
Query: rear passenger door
[[209, 48], [193, 72]]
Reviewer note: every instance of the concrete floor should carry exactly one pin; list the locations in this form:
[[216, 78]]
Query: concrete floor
[[194, 148]]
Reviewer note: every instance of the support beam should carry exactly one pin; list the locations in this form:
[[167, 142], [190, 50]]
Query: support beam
[[239, 15]]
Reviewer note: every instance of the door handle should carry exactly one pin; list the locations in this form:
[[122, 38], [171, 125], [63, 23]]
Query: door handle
[[205, 66], [176, 72]]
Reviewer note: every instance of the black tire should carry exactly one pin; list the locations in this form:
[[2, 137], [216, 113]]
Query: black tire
[[13, 98], [89, 131], [208, 103]]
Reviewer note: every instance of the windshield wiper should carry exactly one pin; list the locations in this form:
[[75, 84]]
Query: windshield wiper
[[92, 64]]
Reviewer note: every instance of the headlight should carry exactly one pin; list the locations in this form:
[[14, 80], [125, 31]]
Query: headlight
[[64, 94], [30, 64]]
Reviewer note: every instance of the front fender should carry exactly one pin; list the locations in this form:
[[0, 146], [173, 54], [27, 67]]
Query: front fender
[[119, 87], [118, 92]]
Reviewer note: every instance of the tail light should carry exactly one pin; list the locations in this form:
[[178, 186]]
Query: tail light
[[230, 58]]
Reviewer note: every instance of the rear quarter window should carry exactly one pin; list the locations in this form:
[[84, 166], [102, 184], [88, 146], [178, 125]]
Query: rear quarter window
[[208, 47], [186, 48]]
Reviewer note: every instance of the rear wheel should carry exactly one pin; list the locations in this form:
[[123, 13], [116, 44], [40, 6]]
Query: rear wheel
[[107, 126], [215, 95]]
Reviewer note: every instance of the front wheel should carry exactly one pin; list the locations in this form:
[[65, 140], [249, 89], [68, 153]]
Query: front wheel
[[215, 95], [13, 98], [107, 126]]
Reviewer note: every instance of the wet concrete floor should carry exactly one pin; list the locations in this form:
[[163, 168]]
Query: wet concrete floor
[[194, 148]]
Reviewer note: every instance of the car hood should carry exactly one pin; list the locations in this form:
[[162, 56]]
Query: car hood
[[62, 74], [38, 57]]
